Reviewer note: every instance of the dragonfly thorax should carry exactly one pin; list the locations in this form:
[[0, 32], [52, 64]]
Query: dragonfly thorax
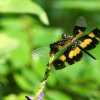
[[60, 45]]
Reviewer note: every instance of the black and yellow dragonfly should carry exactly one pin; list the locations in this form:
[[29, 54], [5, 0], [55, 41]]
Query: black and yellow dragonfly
[[74, 46], [71, 48]]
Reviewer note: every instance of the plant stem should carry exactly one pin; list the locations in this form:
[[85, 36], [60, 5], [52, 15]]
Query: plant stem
[[46, 75]]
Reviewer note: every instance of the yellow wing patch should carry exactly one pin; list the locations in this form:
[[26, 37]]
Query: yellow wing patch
[[85, 43], [80, 32], [66, 64], [92, 35], [74, 52], [97, 38], [63, 58]]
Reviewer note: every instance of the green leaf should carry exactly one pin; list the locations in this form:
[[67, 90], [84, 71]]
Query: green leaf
[[22, 82], [7, 44], [10, 97], [23, 7], [56, 95], [81, 90], [78, 4]]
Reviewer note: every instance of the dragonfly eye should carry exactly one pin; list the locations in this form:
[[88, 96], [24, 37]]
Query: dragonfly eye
[[64, 35]]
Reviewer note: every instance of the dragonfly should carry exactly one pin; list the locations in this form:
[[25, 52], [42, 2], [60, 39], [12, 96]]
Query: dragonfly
[[73, 47], [70, 49]]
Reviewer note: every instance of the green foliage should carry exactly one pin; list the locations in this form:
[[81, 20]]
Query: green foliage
[[23, 7], [23, 29], [79, 4]]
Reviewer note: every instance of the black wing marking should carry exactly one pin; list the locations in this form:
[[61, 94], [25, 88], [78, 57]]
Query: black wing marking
[[79, 27], [71, 55], [90, 41]]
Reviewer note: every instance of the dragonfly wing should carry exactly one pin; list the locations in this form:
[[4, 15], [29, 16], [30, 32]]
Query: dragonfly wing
[[80, 26], [71, 55], [42, 52], [90, 41]]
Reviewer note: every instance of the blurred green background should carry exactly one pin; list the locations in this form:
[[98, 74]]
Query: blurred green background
[[26, 25]]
